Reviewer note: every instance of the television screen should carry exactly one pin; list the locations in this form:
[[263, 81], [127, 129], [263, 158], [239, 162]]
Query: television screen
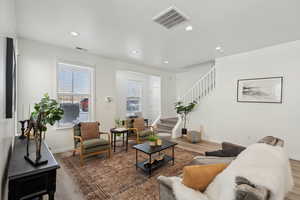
[[10, 78]]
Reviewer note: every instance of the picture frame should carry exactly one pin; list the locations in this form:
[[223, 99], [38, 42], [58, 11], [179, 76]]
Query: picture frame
[[260, 90]]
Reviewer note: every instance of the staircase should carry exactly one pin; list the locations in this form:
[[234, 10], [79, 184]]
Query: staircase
[[166, 125], [203, 87]]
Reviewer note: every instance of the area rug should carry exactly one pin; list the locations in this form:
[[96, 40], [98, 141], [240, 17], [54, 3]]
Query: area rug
[[117, 178]]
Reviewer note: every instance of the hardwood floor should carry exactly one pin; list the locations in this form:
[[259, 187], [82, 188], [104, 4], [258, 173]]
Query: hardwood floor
[[210, 146]]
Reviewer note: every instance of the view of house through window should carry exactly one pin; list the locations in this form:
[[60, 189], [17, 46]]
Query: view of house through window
[[74, 93], [134, 94]]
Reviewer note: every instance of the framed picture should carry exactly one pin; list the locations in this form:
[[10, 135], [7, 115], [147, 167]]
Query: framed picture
[[260, 90]]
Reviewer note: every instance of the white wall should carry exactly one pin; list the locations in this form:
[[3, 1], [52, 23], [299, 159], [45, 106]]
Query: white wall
[[37, 69], [7, 18], [150, 101], [225, 119], [7, 128], [186, 79]]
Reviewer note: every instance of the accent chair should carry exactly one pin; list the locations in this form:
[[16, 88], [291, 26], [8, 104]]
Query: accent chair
[[89, 141], [139, 129]]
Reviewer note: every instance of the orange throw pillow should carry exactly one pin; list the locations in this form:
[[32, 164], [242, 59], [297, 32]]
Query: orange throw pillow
[[198, 177]]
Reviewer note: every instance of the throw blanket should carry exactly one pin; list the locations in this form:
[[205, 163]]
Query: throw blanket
[[261, 164]]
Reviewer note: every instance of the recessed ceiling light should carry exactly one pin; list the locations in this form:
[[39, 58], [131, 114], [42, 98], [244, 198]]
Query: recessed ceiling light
[[218, 48], [189, 28], [75, 34], [134, 52], [166, 62]]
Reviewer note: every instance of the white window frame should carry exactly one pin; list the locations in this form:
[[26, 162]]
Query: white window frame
[[91, 95]]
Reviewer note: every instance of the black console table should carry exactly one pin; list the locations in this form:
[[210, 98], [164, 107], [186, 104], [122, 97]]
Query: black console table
[[26, 181]]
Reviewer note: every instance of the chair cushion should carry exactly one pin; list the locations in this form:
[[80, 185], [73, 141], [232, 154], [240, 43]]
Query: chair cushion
[[145, 133], [89, 130], [198, 177], [95, 142], [95, 149]]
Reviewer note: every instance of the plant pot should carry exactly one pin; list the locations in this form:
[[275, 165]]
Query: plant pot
[[184, 131], [152, 143]]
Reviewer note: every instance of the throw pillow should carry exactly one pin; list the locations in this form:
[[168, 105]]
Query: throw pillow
[[198, 177], [245, 190]]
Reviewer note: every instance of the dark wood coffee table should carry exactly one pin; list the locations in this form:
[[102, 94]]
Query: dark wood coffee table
[[147, 149]]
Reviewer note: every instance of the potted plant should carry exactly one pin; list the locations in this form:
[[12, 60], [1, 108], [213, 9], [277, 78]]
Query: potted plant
[[46, 112], [183, 111], [152, 140]]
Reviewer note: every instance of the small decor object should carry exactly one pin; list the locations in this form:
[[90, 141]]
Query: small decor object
[[260, 90], [108, 99], [159, 142], [47, 111], [23, 122], [183, 111]]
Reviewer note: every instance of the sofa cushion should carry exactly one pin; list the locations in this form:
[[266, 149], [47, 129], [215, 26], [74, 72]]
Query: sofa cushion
[[95, 142], [228, 145], [207, 160], [230, 152], [198, 177]]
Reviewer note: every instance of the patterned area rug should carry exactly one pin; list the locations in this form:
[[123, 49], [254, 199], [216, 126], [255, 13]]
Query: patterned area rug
[[117, 178]]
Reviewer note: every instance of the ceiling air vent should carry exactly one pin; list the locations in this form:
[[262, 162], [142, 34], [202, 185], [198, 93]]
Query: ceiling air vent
[[170, 18]]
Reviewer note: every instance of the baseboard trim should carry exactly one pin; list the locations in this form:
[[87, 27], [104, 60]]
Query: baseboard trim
[[61, 150]]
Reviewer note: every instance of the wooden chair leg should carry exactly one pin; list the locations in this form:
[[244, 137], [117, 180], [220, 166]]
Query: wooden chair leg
[[109, 153], [74, 152], [81, 160]]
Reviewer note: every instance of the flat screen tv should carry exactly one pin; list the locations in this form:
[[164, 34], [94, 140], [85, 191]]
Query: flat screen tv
[[10, 79]]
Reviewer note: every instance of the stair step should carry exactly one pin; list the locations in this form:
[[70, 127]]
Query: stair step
[[159, 130], [165, 125], [169, 120]]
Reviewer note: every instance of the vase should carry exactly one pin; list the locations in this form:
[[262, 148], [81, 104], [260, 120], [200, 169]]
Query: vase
[[159, 142], [152, 143]]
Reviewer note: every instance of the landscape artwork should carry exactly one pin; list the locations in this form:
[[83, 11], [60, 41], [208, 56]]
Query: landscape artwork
[[260, 90]]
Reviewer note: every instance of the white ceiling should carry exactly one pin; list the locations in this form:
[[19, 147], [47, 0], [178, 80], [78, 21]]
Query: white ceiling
[[113, 28]]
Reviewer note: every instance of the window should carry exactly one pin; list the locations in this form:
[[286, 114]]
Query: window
[[74, 93], [134, 94]]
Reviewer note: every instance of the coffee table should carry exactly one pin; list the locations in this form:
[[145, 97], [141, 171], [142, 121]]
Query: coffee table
[[147, 149]]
